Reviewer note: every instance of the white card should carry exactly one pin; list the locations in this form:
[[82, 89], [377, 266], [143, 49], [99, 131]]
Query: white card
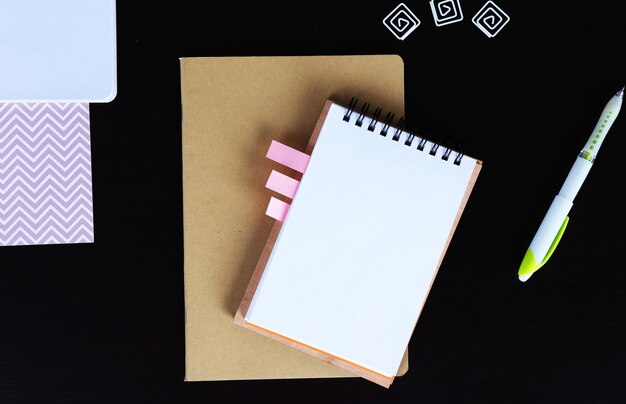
[[58, 50]]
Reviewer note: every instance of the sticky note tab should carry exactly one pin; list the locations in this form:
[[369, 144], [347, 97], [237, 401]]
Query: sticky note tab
[[282, 184], [277, 209], [288, 156]]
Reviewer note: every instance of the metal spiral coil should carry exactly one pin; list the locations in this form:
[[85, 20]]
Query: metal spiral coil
[[401, 127]]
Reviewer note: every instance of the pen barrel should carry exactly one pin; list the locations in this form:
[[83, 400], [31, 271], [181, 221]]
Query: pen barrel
[[602, 127], [549, 227], [575, 178]]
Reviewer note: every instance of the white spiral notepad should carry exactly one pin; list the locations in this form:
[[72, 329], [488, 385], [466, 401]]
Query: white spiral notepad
[[361, 243]]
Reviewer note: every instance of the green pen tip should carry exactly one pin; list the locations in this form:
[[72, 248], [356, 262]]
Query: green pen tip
[[528, 266]]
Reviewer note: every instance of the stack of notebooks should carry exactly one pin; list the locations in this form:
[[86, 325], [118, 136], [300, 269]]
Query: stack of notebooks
[[363, 219]]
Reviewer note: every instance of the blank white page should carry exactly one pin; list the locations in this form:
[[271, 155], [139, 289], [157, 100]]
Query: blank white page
[[359, 248]]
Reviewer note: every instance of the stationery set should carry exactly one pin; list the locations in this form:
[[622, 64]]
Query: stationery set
[[359, 209], [363, 216]]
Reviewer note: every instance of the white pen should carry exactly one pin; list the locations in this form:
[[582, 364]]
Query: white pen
[[555, 221]]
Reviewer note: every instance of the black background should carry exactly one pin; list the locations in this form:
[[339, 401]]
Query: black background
[[105, 322]]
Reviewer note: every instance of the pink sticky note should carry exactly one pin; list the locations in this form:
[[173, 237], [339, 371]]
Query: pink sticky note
[[288, 156], [277, 209], [282, 184]]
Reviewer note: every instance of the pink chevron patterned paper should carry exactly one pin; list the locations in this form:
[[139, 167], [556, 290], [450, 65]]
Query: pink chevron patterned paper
[[45, 174]]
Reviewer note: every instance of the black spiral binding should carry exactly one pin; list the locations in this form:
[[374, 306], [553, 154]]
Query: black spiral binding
[[401, 128]]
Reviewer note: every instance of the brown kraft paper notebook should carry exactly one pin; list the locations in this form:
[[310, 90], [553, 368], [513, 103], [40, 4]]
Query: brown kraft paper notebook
[[232, 108]]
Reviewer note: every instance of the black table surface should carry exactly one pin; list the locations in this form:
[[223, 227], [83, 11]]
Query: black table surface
[[105, 322]]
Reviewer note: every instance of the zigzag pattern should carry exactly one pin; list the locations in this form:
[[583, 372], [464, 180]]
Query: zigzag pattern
[[45, 174]]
